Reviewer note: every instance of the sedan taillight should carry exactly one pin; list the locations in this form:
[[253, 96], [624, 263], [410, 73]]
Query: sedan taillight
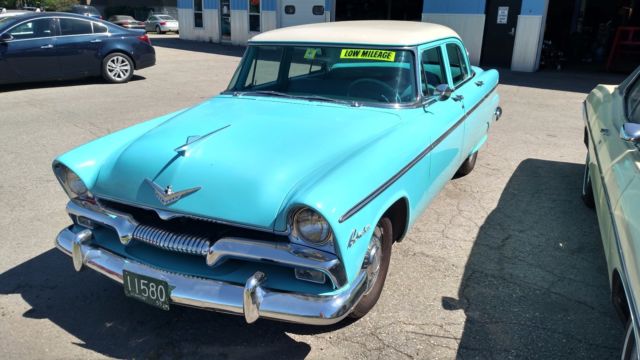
[[163, 23], [144, 38]]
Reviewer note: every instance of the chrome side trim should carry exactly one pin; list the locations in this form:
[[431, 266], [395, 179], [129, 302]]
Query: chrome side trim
[[623, 264], [251, 300], [374, 194], [217, 252]]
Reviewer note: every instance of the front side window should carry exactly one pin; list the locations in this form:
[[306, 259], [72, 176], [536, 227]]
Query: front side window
[[197, 13], [457, 64], [75, 27], [328, 73], [633, 103], [254, 15], [433, 70], [34, 29]]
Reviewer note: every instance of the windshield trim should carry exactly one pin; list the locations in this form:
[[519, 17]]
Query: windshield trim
[[417, 103]]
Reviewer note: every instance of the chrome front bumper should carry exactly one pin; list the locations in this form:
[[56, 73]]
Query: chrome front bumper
[[251, 300]]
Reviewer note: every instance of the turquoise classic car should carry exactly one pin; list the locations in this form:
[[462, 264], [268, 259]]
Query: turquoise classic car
[[281, 197], [611, 185]]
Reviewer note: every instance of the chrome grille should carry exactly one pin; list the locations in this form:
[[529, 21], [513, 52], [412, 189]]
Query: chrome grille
[[167, 240]]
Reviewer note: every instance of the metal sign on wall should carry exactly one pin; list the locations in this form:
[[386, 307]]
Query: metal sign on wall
[[503, 14]]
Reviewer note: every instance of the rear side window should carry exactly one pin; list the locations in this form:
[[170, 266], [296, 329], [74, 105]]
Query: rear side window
[[100, 28], [74, 27], [633, 103], [35, 29], [433, 72], [457, 63]]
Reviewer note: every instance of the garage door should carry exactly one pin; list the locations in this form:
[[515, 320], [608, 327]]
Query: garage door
[[297, 12]]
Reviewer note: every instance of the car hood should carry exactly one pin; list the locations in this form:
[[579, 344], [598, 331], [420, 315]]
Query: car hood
[[246, 156]]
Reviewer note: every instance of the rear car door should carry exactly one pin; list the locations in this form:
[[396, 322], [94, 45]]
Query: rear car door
[[78, 47], [443, 118], [30, 55], [469, 90]]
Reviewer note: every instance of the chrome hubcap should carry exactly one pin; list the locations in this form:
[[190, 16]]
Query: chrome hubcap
[[373, 259], [118, 67]]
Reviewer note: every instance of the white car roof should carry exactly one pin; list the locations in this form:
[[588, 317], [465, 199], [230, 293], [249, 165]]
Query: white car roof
[[367, 32]]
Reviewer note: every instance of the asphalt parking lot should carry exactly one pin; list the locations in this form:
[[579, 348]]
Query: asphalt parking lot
[[505, 263]]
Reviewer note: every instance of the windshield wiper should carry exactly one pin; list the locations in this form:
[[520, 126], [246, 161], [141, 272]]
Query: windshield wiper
[[263, 92], [302, 97], [328, 99]]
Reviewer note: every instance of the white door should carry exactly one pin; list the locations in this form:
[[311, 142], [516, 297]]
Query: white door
[[298, 12]]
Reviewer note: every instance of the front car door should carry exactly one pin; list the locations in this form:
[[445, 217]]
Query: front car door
[[444, 118], [30, 56], [78, 47]]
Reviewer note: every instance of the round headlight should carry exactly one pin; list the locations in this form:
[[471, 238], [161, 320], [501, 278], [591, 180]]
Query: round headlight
[[75, 184], [71, 183], [311, 227]]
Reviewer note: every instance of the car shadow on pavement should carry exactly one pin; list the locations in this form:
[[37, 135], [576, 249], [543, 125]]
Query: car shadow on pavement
[[572, 81], [63, 83], [535, 284], [198, 46], [94, 309]]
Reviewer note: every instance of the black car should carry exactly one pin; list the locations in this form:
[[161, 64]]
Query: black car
[[56, 46]]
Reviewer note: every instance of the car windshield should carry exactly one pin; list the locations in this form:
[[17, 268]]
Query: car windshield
[[327, 73], [165, 17]]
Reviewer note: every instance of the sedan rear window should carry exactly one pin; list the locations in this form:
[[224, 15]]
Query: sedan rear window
[[74, 27]]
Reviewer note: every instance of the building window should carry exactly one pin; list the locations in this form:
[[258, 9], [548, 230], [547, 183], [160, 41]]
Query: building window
[[318, 10], [197, 13], [254, 15]]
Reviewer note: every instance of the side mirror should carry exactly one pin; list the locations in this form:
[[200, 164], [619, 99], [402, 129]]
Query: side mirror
[[6, 37], [443, 92], [630, 132]]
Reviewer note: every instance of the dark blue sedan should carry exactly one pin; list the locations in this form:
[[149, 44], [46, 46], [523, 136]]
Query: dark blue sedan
[[57, 46]]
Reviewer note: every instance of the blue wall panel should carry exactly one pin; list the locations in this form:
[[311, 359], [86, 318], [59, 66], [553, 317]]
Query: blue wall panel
[[269, 5], [211, 4], [453, 6], [185, 4], [532, 7], [328, 5], [239, 4]]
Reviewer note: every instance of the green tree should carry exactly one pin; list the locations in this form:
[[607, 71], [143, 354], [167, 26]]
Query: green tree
[[55, 5]]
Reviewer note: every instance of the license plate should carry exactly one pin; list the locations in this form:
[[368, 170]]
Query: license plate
[[146, 289]]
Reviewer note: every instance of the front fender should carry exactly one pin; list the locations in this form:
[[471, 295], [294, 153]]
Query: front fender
[[86, 160]]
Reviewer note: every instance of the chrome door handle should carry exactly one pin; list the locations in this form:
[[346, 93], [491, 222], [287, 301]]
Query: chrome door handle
[[512, 32], [46, 46], [95, 41], [458, 98], [604, 132], [479, 83]]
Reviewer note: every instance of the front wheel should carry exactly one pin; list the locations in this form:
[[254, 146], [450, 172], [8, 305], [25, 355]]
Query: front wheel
[[117, 68], [376, 264]]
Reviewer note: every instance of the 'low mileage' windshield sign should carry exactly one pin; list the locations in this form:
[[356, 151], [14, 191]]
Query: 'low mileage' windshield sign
[[368, 54]]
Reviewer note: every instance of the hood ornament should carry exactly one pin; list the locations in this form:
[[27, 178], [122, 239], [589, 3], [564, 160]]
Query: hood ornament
[[166, 195]]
